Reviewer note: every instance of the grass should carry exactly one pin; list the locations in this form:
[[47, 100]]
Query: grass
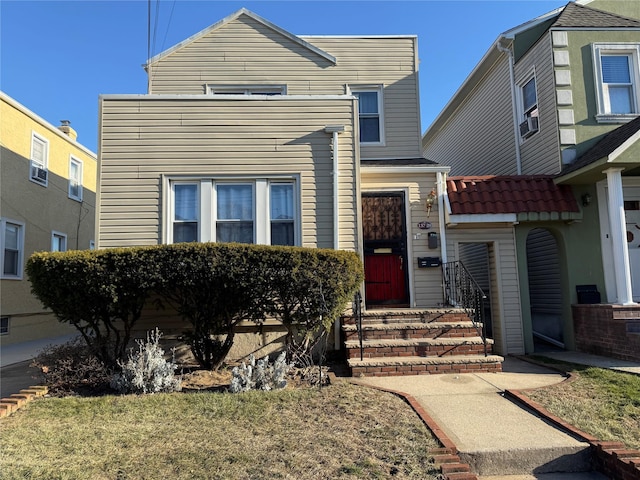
[[604, 403], [342, 431]]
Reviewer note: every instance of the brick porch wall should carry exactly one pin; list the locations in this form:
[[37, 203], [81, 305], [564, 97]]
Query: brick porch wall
[[608, 330]]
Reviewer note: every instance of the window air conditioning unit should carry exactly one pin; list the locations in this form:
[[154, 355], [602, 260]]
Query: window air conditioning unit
[[39, 174], [529, 127]]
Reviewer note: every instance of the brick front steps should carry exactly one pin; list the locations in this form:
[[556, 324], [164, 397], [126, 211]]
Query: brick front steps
[[417, 342]]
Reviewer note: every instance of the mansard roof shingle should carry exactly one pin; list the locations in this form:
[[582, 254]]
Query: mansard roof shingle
[[605, 146]]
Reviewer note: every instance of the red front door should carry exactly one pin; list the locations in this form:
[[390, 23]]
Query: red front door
[[385, 249]]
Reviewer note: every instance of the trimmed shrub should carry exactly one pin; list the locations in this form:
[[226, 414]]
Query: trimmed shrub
[[101, 293], [214, 286]]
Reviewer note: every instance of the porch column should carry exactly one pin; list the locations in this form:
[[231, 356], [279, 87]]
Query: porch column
[[621, 265]]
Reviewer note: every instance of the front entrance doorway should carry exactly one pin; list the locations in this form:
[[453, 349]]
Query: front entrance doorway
[[385, 250]]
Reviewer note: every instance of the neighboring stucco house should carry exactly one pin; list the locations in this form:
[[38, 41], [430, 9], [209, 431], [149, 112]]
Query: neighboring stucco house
[[47, 184], [542, 140]]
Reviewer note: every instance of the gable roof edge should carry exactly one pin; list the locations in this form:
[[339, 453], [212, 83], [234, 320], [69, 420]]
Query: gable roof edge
[[230, 18]]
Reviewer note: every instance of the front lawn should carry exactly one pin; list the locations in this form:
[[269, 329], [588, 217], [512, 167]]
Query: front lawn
[[604, 403], [341, 431]]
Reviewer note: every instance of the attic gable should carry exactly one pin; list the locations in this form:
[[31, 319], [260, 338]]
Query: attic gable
[[579, 16], [233, 17]]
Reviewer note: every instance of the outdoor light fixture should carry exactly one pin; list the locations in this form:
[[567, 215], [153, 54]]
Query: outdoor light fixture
[[431, 198], [586, 200]]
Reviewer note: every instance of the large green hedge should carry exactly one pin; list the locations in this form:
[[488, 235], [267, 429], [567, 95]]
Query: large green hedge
[[212, 285]]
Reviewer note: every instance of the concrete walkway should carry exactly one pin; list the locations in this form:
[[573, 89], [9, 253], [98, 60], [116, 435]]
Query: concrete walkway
[[492, 434]]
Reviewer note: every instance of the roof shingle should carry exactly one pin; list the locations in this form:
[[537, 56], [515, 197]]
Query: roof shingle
[[575, 16]]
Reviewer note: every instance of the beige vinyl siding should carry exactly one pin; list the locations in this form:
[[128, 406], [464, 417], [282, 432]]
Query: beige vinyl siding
[[147, 139], [505, 291], [246, 52], [478, 138], [540, 153], [426, 283]]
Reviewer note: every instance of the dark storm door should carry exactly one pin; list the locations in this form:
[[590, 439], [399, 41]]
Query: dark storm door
[[385, 249]]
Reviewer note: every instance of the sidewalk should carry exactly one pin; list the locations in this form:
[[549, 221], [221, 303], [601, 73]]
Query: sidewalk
[[492, 434]]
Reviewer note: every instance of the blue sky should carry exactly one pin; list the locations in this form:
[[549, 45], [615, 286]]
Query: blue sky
[[56, 57]]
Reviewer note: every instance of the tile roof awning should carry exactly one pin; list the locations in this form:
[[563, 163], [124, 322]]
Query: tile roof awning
[[510, 198]]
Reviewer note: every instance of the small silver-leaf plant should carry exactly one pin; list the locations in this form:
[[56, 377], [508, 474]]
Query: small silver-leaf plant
[[260, 375], [147, 371]]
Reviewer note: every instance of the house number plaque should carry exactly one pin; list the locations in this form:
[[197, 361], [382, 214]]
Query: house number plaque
[[424, 225]]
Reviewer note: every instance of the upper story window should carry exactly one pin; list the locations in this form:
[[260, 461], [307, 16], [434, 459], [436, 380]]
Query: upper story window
[[370, 114], [247, 89], [617, 74], [528, 106], [58, 242], [12, 243], [39, 159], [245, 211], [75, 179]]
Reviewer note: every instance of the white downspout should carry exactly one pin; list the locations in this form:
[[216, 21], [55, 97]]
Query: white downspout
[[336, 130], [514, 108], [441, 190]]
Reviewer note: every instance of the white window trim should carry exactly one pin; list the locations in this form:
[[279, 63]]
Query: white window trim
[[55, 234], [379, 89], [77, 161], [246, 89], [34, 164], [207, 201], [531, 74], [3, 223], [631, 49]]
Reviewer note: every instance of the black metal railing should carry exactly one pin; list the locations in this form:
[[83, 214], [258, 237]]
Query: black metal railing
[[462, 291], [357, 316]]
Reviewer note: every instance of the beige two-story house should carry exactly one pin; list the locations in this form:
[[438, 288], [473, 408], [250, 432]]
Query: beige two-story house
[[249, 133], [542, 140]]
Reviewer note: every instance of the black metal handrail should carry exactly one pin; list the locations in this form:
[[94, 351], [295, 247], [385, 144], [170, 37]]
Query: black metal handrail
[[462, 291], [357, 315]]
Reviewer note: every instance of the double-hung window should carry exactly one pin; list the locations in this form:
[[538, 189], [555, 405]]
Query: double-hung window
[[58, 242], [12, 242], [38, 172], [75, 179], [617, 74], [262, 210], [186, 208], [370, 114], [234, 212], [528, 106]]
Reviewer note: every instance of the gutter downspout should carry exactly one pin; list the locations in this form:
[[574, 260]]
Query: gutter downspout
[[335, 130], [514, 109], [442, 191]]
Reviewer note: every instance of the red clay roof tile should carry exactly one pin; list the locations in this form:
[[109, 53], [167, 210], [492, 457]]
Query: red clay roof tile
[[508, 194]]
